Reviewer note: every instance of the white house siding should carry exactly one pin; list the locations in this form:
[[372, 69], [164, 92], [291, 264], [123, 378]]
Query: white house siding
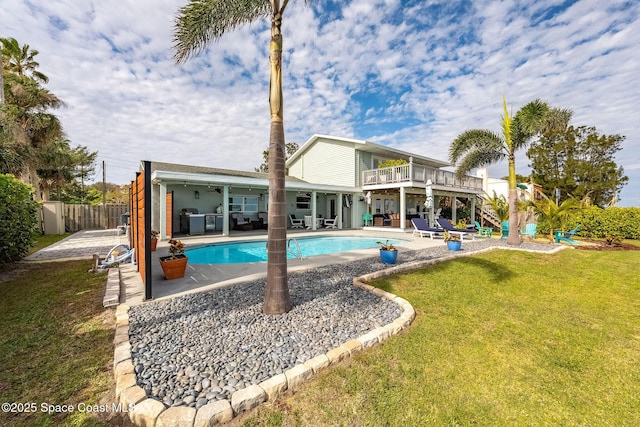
[[327, 162]]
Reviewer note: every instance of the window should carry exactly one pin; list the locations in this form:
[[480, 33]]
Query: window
[[303, 203], [243, 204]]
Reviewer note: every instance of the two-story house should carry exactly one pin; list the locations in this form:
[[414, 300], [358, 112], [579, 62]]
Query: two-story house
[[327, 178]]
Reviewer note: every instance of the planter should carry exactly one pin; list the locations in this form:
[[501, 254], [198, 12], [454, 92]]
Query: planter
[[454, 245], [388, 257], [174, 268], [154, 244]]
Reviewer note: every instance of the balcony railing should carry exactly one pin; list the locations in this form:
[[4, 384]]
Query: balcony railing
[[419, 174]]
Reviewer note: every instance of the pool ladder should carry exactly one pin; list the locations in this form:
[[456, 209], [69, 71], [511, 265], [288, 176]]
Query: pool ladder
[[295, 252]]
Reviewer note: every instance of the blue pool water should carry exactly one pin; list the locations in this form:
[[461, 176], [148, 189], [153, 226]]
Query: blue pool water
[[241, 252]]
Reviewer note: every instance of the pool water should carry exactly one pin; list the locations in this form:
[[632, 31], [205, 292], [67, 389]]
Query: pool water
[[255, 251]]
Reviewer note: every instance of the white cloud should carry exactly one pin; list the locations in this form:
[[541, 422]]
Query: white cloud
[[412, 77]]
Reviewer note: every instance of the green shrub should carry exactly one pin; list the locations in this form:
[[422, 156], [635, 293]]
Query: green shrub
[[18, 218], [612, 224]]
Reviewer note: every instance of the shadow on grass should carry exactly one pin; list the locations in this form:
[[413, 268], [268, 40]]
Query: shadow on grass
[[497, 272]]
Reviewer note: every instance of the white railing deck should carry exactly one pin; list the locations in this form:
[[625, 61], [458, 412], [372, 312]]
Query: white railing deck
[[420, 174]]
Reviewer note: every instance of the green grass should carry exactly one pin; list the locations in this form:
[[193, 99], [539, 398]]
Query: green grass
[[56, 340], [42, 241], [503, 338]]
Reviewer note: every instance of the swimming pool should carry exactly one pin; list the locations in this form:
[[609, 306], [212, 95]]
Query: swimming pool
[[255, 251]]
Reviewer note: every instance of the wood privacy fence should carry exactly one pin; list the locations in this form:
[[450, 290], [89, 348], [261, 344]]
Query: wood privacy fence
[[85, 217]]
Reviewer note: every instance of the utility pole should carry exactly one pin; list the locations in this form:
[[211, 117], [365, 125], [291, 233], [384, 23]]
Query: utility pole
[[104, 186]]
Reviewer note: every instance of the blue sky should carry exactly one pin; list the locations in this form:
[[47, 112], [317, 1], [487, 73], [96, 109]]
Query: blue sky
[[409, 74]]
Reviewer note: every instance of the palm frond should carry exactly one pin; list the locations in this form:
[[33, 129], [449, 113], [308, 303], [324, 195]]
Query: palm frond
[[202, 21], [476, 148]]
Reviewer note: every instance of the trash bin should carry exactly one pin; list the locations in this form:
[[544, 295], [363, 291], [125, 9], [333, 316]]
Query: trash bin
[[124, 218]]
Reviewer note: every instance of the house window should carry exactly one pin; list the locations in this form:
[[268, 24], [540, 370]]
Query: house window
[[303, 203], [243, 204]]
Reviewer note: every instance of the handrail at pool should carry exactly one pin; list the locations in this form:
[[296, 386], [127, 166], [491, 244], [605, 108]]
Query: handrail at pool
[[298, 253]]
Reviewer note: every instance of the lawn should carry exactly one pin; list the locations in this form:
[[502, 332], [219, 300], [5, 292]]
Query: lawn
[[56, 342], [503, 338]]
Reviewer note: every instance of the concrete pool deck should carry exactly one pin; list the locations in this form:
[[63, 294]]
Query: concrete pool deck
[[202, 277]]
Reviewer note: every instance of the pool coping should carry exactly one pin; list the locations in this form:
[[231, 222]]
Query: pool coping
[[143, 410]]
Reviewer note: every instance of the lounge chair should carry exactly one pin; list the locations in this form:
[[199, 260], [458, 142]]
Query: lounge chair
[[444, 223], [483, 231], [331, 223], [530, 230], [567, 237], [295, 222], [421, 228], [119, 254]]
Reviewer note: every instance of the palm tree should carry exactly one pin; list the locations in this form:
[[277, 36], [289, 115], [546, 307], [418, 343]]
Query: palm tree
[[557, 216], [20, 59], [499, 205], [198, 24], [481, 147]]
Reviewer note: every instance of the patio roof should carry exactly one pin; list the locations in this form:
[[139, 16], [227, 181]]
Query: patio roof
[[201, 175]]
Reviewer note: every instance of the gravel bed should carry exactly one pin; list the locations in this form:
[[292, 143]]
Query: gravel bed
[[202, 347]]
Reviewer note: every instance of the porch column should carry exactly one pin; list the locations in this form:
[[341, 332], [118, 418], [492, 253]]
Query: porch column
[[473, 209], [163, 211], [339, 204], [454, 210], [314, 211], [403, 208], [225, 210]]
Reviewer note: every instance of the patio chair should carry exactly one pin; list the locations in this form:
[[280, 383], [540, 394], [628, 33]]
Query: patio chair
[[530, 230], [295, 222], [240, 222], [444, 223], [331, 223], [567, 237], [263, 217], [421, 228], [483, 231], [505, 230], [308, 222]]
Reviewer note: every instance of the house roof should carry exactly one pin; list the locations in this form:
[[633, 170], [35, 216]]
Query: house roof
[[202, 175], [370, 147]]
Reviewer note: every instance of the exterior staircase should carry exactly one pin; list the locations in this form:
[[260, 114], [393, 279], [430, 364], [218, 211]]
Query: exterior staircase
[[489, 215]]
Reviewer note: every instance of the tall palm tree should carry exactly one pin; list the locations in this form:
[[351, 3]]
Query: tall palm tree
[[481, 147], [20, 59], [198, 24]]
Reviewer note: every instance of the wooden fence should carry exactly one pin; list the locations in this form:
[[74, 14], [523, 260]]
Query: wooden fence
[[86, 217]]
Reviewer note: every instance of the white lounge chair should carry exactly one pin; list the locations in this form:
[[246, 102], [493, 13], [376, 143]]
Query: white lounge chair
[[421, 228]]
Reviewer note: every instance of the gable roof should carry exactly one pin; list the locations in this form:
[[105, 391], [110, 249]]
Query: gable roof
[[370, 147]]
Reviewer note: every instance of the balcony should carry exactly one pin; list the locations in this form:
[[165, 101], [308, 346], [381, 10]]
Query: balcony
[[418, 174]]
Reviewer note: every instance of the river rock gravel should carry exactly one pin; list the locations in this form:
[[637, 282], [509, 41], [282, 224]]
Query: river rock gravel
[[202, 347]]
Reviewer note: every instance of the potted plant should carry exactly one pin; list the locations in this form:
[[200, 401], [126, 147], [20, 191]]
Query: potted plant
[[388, 253], [174, 265], [453, 241], [155, 234]]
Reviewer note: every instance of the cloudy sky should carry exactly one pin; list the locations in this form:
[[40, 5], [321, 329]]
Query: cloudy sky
[[408, 74]]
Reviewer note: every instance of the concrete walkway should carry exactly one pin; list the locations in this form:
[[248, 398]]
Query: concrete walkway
[[80, 245]]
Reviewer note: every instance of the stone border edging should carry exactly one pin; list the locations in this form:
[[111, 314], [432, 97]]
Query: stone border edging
[[146, 411]]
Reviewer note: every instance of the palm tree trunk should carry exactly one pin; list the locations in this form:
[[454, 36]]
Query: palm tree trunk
[[276, 296], [514, 236]]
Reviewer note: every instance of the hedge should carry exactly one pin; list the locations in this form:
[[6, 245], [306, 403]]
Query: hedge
[[18, 219], [610, 223]]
